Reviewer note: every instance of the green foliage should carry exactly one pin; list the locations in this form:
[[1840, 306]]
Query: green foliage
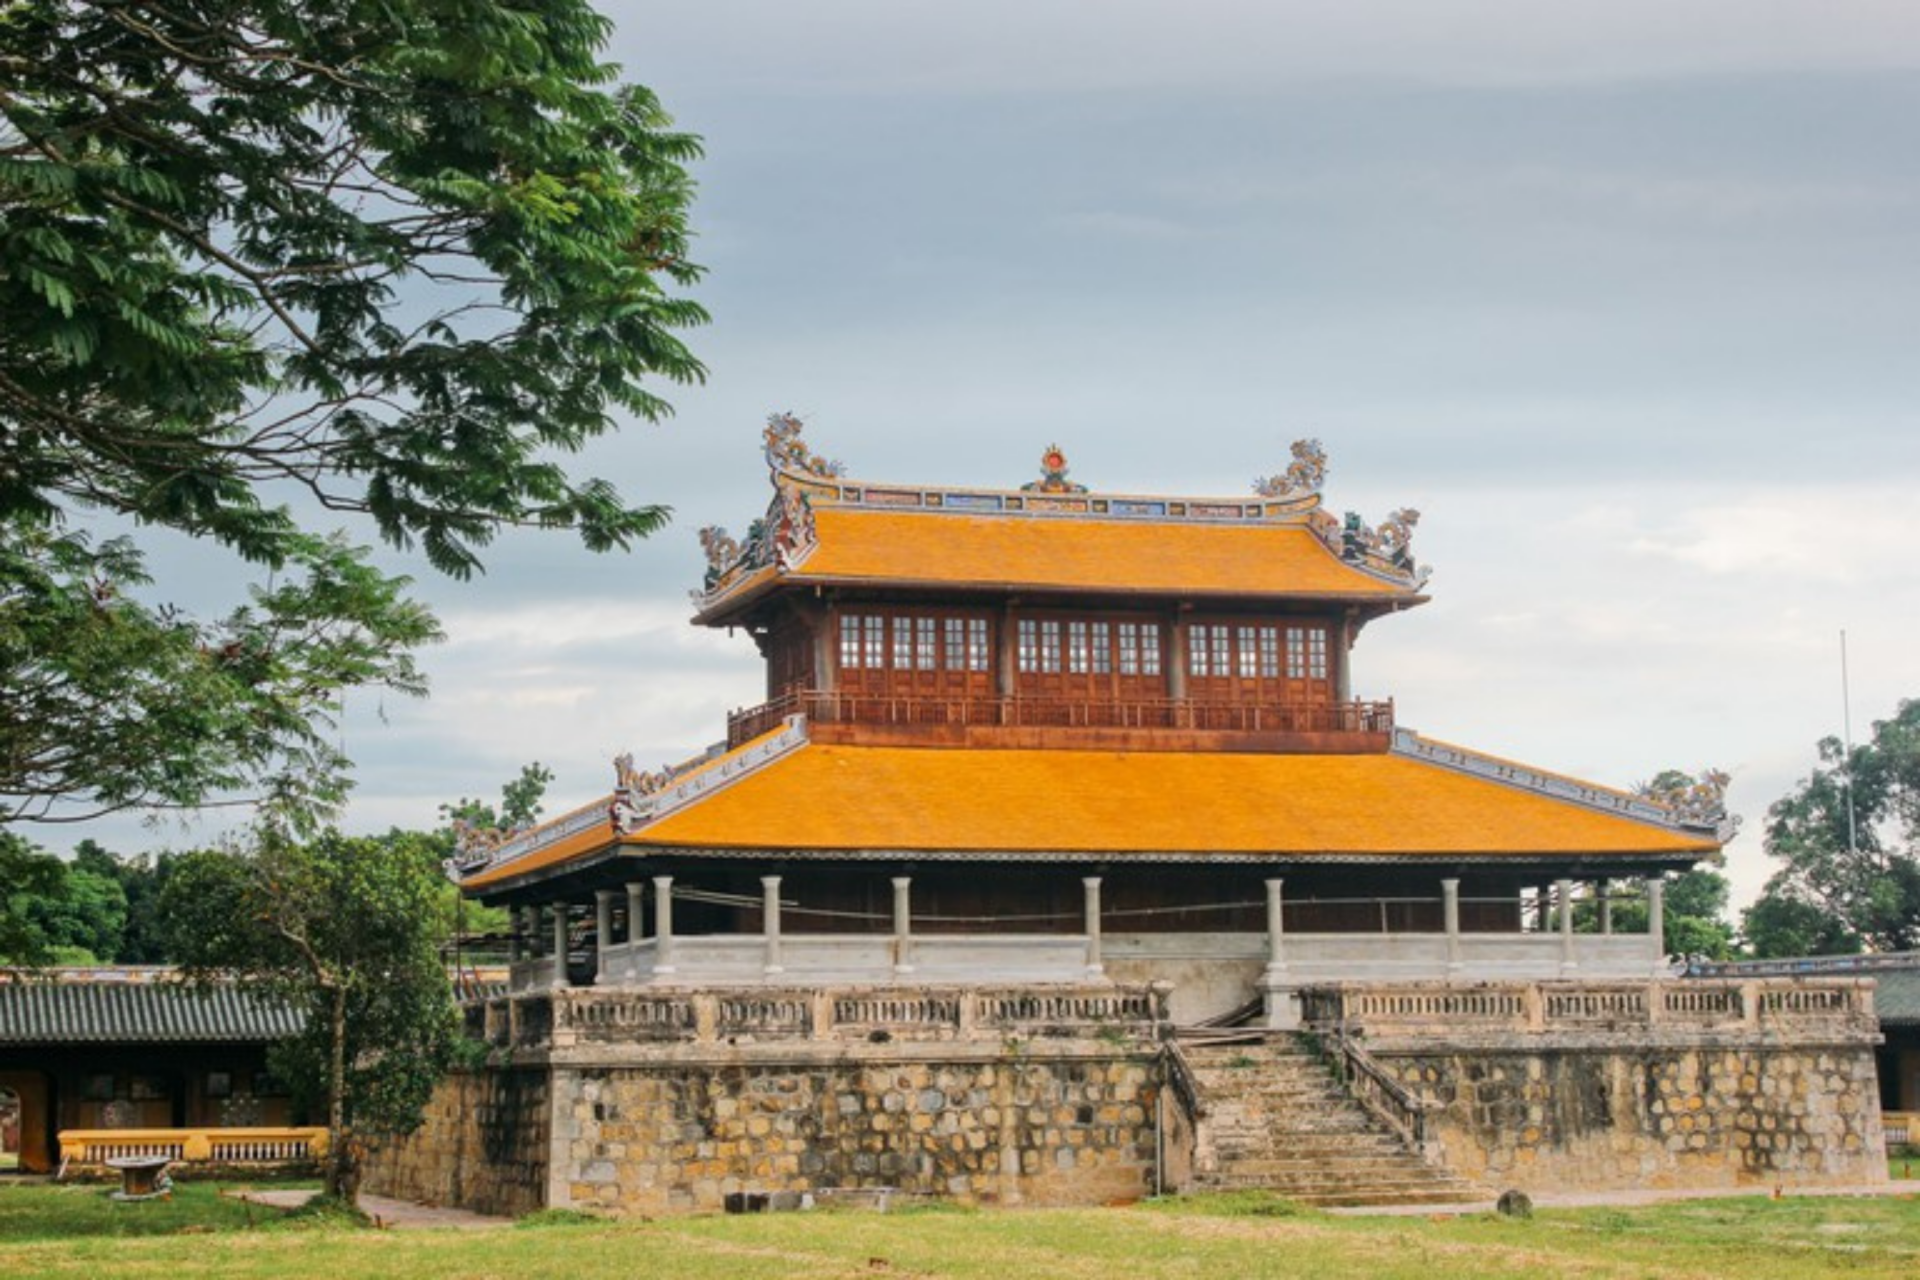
[[28, 876], [1694, 920], [392, 259], [1847, 886], [114, 703], [343, 928]]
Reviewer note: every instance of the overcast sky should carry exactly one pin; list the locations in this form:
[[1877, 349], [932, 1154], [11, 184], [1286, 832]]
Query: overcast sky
[[1623, 297]]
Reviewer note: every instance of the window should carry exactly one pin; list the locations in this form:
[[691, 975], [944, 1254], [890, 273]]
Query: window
[[924, 653], [1149, 648], [1248, 653], [1269, 653], [1102, 648], [1306, 653], [1079, 657], [903, 644], [874, 628], [1039, 645], [849, 640], [1198, 652], [976, 644]]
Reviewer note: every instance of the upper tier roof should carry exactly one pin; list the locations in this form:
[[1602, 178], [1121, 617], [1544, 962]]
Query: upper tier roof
[[782, 794], [1054, 537]]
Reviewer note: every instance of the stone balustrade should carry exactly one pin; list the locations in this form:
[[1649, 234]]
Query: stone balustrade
[[571, 1017], [90, 1149], [1841, 1005]]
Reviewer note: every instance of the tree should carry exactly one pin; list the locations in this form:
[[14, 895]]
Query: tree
[[343, 929], [1848, 839], [1693, 918], [386, 259], [54, 912], [28, 875]]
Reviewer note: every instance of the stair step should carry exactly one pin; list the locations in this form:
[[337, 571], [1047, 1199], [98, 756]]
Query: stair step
[[1277, 1118]]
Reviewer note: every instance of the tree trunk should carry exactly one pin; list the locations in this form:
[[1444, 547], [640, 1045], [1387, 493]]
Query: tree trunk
[[342, 1179]]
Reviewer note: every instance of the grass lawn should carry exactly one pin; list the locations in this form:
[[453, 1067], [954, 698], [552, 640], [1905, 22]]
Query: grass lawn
[[65, 1231]]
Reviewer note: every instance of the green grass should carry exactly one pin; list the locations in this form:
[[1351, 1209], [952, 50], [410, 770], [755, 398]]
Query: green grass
[[49, 1231]]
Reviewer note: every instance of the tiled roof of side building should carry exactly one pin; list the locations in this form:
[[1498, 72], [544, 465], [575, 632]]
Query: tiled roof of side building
[[68, 1012]]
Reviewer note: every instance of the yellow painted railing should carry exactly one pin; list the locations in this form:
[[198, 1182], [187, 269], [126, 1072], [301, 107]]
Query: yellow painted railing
[[1901, 1127], [94, 1147]]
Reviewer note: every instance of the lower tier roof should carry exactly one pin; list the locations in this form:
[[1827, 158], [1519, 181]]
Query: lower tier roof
[[786, 796]]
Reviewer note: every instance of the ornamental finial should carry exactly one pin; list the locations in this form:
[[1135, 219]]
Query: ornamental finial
[[1053, 474], [1303, 476], [787, 452]]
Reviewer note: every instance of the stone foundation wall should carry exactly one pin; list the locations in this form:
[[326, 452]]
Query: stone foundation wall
[[484, 1145], [1706, 1117], [1012, 1130]]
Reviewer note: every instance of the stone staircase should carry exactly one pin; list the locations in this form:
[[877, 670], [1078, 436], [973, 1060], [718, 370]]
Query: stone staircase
[[1274, 1117]]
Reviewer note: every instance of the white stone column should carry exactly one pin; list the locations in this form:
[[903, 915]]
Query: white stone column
[[770, 923], [1564, 890], [602, 935], [902, 924], [663, 925], [516, 921], [560, 944], [1283, 1002], [1095, 967], [1657, 922], [1606, 908], [1450, 916], [636, 910]]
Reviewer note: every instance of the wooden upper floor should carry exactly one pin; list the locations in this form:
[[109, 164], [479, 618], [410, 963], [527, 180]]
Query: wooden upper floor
[[1050, 615]]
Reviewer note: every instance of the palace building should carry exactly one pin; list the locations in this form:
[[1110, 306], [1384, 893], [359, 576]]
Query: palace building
[[1061, 822], [1044, 735]]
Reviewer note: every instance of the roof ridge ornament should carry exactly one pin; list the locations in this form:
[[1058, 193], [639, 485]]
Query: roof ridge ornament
[[1388, 547], [1053, 474], [1303, 476], [787, 452]]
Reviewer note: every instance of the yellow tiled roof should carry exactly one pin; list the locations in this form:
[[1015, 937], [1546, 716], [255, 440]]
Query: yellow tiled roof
[[827, 798], [1081, 554]]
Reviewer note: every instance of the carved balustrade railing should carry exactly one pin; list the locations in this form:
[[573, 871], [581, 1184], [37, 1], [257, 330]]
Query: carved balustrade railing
[[564, 1018], [849, 707], [1384, 1097], [1414, 1009]]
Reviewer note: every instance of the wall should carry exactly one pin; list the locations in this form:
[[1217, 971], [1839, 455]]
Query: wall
[[483, 1146], [1013, 1130], [1706, 1117]]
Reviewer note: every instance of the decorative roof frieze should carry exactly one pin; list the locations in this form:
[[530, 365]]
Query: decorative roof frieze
[[641, 797], [1640, 808], [804, 481]]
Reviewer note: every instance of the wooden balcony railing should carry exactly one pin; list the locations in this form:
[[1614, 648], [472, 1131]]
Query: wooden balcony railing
[[845, 707]]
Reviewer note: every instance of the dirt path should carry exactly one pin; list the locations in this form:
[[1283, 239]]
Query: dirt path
[[397, 1214]]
